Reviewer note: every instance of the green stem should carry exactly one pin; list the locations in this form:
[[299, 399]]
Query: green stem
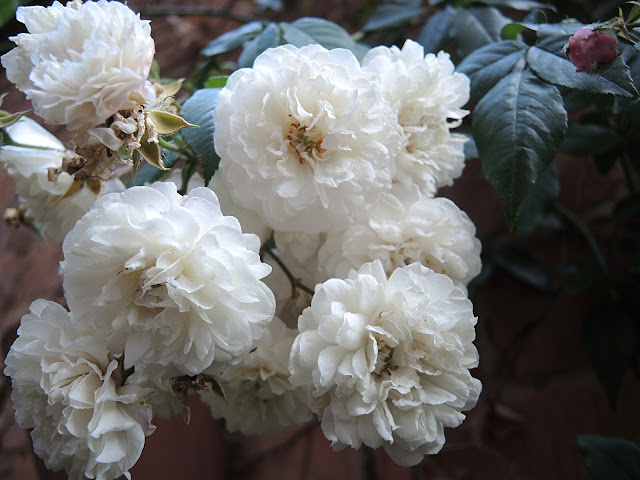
[[580, 226], [182, 149]]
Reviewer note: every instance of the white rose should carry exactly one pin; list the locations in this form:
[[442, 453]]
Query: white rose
[[66, 389], [427, 97], [305, 137], [168, 279], [29, 168], [249, 219], [404, 227], [79, 63], [388, 359], [259, 398]]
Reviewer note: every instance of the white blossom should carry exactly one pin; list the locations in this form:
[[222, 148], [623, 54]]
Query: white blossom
[[168, 279], [79, 63], [249, 219], [29, 165], [67, 389], [258, 397], [404, 227], [427, 97], [305, 137], [388, 359]]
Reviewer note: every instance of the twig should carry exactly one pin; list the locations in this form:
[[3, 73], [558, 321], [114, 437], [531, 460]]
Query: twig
[[579, 225], [249, 463], [194, 10], [295, 283]]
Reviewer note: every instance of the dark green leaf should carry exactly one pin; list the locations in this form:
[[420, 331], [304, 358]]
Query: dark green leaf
[[615, 80], [536, 16], [436, 30], [325, 33], [521, 265], [149, 174], [270, 37], [233, 39], [198, 109], [292, 35], [611, 340], [518, 4], [470, 149], [589, 139], [540, 200], [487, 65], [216, 82], [477, 26], [518, 126], [610, 458], [389, 15]]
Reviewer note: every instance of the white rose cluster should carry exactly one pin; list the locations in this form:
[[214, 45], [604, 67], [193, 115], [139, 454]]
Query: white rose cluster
[[80, 63], [159, 285], [342, 161], [317, 275]]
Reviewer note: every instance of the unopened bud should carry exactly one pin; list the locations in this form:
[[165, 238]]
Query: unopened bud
[[590, 48]]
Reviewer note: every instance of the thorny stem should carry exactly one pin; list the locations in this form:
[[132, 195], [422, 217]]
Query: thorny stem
[[194, 10], [295, 283], [580, 226]]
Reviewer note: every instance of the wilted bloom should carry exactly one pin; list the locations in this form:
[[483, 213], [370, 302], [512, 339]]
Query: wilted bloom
[[388, 359], [589, 47], [80, 63], [66, 389], [29, 165], [167, 279], [258, 397], [305, 137]]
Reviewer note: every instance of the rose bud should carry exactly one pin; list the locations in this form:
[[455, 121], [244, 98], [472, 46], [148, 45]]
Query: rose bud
[[589, 48]]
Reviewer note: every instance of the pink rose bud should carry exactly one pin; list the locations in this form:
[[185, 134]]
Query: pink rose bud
[[589, 48]]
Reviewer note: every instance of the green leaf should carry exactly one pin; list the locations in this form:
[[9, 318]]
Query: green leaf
[[540, 200], [610, 458], [198, 109], [611, 340], [522, 266], [487, 65], [149, 174], [325, 33], [216, 82], [436, 30], [518, 126], [589, 139], [388, 15], [615, 80], [270, 37], [477, 26], [233, 39]]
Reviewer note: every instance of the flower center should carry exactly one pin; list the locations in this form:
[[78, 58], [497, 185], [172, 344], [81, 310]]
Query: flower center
[[306, 142]]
